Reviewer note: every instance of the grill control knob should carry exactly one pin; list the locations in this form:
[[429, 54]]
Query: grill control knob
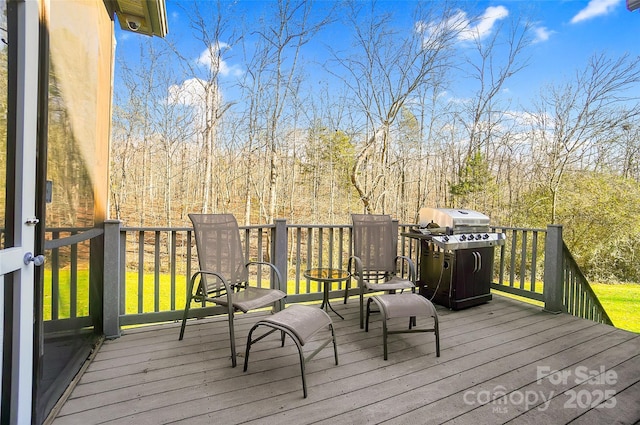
[[486, 236], [445, 238], [463, 238]]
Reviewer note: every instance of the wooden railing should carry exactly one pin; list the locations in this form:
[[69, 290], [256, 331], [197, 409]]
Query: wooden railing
[[145, 270], [578, 296], [519, 262], [67, 298]]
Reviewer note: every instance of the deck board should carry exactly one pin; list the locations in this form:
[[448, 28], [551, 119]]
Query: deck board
[[147, 376]]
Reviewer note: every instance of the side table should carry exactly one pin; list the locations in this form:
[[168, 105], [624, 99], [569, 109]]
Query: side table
[[327, 276]]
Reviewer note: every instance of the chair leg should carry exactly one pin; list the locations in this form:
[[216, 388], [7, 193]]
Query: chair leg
[[232, 337], [251, 341], [361, 308], [186, 308], [335, 346], [437, 333], [347, 285], [366, 327], [384, 333], [246, 352], [302, 365], [184, 318]]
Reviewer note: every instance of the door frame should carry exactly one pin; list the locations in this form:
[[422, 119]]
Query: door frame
[[16, 274]]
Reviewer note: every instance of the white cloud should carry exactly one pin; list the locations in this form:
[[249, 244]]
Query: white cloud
[[212, 59], [461, 24], [191, 93], [520, 118], [458, 21], [595, 8], [485, 25], [459, 100], [541, 34]]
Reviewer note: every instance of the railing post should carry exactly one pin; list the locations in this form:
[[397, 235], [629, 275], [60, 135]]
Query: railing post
[[280, 250], [111, 297], [553, 269]]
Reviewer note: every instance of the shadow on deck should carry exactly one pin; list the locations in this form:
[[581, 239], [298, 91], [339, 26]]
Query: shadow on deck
[[492, 359]]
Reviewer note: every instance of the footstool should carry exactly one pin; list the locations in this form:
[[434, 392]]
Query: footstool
[[404, 305], [301, 323]]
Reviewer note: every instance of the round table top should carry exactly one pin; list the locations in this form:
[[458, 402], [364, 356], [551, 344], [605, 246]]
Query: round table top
[[327, 274]]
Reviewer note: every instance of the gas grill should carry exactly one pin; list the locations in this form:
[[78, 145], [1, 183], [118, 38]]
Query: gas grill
[[456, 256]]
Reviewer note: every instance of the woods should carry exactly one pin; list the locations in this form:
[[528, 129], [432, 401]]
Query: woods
[[274, 117]]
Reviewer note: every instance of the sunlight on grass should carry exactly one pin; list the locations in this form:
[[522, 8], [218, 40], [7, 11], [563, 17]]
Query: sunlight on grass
[[139, 297], [621, 301], [538, 288], [519, 298]]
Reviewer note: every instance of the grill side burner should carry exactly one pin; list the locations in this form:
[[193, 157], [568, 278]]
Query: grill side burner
[[456, 256]]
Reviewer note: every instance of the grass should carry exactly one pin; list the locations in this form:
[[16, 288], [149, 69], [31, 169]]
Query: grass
[[136, 301], [621, 301]]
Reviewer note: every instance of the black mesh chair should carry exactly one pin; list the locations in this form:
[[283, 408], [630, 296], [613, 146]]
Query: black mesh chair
[[223, 277]]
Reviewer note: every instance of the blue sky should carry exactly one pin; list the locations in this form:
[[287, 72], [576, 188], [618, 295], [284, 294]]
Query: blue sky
[[567, 34]]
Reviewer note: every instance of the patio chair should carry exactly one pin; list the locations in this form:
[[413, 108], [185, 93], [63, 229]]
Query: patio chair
[[374, 262], [223, 277]]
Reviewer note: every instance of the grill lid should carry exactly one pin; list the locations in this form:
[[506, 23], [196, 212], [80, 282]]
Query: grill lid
[[456, 219]]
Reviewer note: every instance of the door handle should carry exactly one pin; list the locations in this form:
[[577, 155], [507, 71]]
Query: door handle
[[477, 261], [32, 221], [37, 260]]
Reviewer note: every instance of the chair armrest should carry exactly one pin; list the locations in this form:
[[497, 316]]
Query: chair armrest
[[273, 268], [355, 262], [227, 287], [412, 267]]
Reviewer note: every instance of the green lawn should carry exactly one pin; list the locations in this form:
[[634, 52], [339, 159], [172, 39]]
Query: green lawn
[[621, 301], [135, 300]]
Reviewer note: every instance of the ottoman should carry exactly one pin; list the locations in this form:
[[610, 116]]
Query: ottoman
[[403, 305], [301, 323]]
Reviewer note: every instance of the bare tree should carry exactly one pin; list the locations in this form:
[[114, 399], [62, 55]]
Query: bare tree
[[493, 60], [574, 117], [384, 70], [133, 135], [273, 79], [205, 89], [629, 148]]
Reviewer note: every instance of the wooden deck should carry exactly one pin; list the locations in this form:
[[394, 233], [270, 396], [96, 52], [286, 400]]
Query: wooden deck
[[149, 377]]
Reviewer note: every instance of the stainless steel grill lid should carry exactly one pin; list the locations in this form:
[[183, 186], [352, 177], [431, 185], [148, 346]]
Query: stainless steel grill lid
[[456, 219], [456, 228]]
